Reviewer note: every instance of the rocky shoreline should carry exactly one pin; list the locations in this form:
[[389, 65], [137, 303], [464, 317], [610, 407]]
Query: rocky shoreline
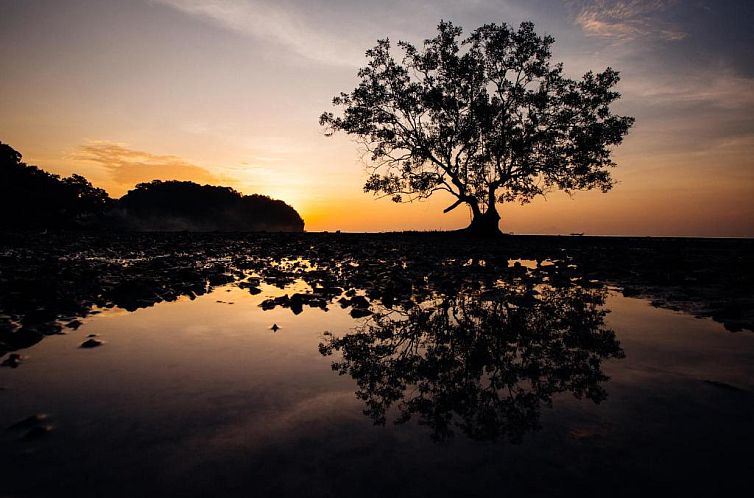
[[51, 281]]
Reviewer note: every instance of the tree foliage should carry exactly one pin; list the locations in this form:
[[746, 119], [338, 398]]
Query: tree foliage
[[181, 205], [31, 198], [487, 118]]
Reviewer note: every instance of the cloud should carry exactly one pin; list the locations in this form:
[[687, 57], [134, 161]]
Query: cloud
[[627, 19], [724, 92], [273, 23], [127, 167]]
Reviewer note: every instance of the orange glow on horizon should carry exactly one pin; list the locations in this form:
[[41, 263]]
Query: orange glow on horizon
[[216, 96]]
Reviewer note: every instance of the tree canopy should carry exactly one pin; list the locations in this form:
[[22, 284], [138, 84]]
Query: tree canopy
[[181, 205], [487, 118], [31, 198]]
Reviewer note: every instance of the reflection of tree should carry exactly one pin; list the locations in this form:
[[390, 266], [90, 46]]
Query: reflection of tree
[[480, 361]]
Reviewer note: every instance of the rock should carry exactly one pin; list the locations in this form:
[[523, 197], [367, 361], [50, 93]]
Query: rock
[[135, 293], [13, 360], [249, 282], [74, 324], [43, 328], [388, 298], [359, 302], [91, 343], [318, 303], [252, 285], [724, 385], [297, 303], [631, 292], [37, 432], [220, 279], [29, 422], [269, 304], [360, 312]]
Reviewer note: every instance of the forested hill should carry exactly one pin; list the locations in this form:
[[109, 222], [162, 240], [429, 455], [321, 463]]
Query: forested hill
[[174, 205], [33, 199]]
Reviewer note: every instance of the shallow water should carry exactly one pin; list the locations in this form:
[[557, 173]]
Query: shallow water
[[199, 397]]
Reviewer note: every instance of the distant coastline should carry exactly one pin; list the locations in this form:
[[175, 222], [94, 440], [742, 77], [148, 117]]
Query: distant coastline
[[33, 199]]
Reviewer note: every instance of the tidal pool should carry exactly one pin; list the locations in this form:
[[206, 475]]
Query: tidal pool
[[202, 398], [337, 366]]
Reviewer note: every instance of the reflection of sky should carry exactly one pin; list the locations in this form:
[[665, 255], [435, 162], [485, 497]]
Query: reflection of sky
[[199, 394], [228, 91]]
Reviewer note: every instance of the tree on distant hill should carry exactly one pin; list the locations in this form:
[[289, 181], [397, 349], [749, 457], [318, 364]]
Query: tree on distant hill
[[487, 119], [31, 198], [181, 205]]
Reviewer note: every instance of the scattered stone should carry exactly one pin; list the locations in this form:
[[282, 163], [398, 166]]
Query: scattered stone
[[583, 433], [29, 422], [13, 360], [631, 292], [271, 303], [359, 302], [74, 324], [274, 327], [37, 432], [91, 343], [724, 385], [33, 427], [360, 312], [297, 303], [252, 285], [220, 279]]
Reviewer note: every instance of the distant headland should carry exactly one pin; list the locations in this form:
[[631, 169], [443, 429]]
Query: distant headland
[[33, 199]]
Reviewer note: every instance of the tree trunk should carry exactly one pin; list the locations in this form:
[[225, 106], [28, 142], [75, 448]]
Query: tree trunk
[[485, 224]]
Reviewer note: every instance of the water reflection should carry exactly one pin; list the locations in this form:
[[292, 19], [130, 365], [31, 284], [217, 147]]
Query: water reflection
[[49, 284], [470, 340], [480, 361]]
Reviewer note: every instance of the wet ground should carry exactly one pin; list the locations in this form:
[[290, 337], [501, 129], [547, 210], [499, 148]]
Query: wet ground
[[401, 364]]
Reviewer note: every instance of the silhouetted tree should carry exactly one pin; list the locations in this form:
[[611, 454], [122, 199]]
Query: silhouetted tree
[[487, 119], [31, 198], [84, 199]]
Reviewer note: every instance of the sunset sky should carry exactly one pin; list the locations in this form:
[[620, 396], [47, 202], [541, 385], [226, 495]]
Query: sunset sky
[[228, 92]]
